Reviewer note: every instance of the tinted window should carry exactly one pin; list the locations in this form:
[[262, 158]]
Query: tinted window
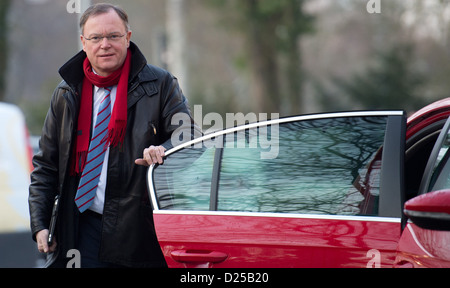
[[327, 166], [321, 168], [183, 182], [440, 178]]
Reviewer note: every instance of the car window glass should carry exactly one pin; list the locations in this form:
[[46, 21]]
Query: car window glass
[[440, 178], [326, 166], [183, 182]]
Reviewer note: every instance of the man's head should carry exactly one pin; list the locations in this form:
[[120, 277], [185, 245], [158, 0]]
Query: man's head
[[105, 35]]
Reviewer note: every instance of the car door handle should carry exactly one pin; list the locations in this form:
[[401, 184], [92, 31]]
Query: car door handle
[[198, 256]]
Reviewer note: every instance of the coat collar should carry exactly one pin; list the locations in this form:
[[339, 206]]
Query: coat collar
[[72, 71]]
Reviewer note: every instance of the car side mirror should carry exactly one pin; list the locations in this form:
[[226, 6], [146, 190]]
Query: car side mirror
[[430, 211]]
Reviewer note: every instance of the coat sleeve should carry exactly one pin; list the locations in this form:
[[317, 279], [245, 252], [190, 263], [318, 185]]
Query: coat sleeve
[[179, 125], [44, 178]]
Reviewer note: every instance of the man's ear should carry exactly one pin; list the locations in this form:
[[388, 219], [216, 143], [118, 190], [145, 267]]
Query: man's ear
[[128, 38], [83, 42]]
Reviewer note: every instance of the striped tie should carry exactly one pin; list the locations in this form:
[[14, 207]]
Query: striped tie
[[94, 162]]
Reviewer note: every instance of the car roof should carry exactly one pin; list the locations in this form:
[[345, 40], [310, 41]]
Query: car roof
[[436, 111]]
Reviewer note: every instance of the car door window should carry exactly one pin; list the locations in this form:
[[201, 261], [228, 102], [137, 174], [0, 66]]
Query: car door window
[[327, 166], [321, 168], [184, 181]]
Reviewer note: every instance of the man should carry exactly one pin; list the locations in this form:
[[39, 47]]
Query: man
[[108, 121]]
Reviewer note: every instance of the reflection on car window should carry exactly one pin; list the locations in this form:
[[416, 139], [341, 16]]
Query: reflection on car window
[[184, 181], [322, 168], [327, 166]]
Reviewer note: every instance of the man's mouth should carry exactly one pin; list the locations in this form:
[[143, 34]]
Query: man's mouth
[[106, 55]]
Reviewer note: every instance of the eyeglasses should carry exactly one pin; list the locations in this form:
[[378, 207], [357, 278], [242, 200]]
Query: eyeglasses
[[98, 39]]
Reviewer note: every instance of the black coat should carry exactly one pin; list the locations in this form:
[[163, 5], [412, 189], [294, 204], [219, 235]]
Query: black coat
[[128, 236]]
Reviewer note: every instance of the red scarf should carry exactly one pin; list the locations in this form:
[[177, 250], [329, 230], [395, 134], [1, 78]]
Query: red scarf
[[118, 123]]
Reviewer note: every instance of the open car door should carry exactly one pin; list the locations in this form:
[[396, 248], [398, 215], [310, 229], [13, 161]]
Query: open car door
[[309, 191]]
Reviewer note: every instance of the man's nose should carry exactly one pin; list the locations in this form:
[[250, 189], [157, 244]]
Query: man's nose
[[105, 43]]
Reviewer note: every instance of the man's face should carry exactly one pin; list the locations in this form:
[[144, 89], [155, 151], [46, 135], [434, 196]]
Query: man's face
[[108, 55]]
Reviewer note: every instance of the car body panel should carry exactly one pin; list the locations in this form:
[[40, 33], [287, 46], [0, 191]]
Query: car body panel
[[422, 248], [436, 111], [290, 241]]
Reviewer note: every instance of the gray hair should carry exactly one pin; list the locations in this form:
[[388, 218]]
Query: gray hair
[[103, 8]]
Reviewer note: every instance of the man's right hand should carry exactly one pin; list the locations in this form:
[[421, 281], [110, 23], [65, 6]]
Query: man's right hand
[[42, 245]]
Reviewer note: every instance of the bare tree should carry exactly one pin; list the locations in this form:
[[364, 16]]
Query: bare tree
[[272, 31]]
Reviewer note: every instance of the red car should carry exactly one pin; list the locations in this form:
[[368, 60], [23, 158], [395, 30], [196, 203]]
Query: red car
[[325, 190]]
